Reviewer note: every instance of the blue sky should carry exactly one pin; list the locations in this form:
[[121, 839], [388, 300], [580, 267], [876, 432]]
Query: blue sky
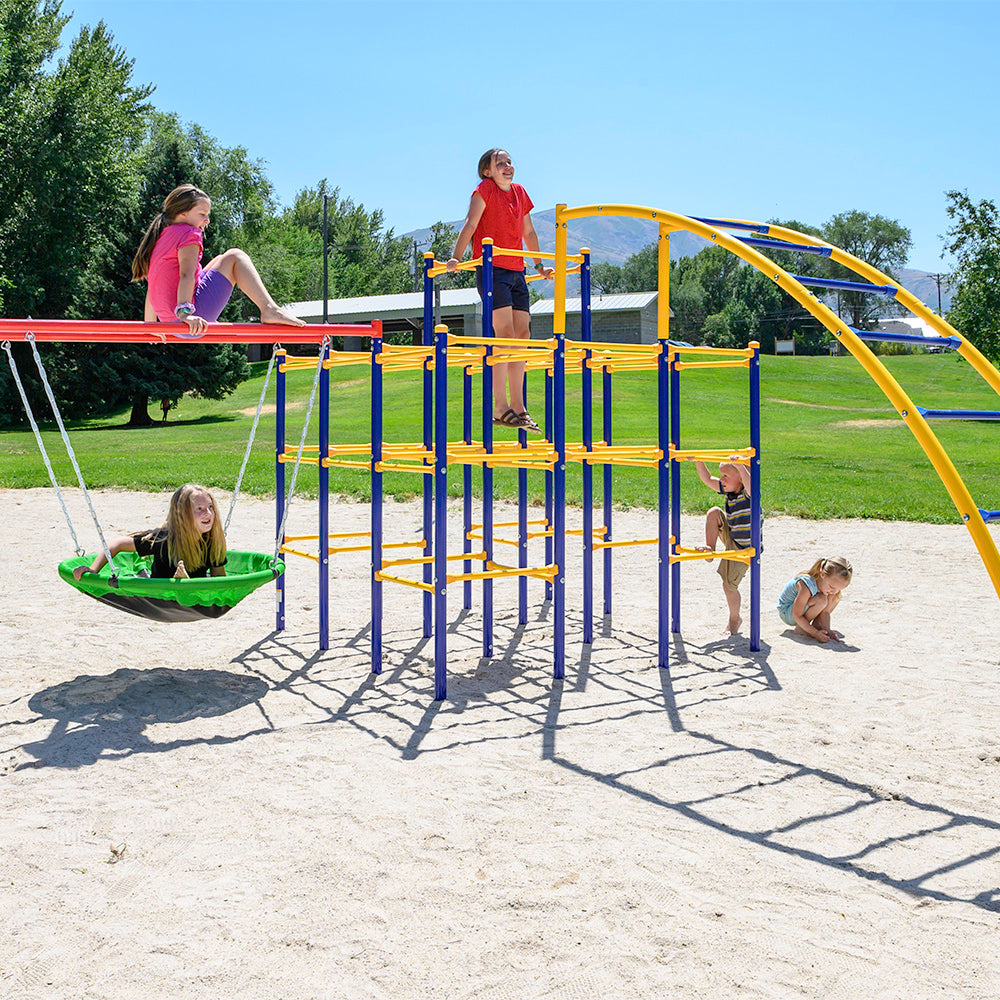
[[794, 110]]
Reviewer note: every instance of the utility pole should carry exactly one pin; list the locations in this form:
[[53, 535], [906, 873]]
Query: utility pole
[[937, 278], [326, 255]]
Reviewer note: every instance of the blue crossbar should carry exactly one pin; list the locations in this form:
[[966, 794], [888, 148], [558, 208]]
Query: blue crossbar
[[959, 414], [952, 343], [989, 515], [754, 241], [850, 286], [752, 227]]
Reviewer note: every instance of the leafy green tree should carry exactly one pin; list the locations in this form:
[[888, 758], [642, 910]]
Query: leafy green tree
[[442, 243], [69, 153], [974, 239], [92, 380], [85, 167], [881, 242]]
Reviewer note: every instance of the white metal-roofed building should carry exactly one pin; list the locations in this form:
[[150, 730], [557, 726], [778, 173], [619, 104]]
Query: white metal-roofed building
[[629, 318]]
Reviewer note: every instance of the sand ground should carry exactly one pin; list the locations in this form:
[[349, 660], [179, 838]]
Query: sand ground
[[802, 821]]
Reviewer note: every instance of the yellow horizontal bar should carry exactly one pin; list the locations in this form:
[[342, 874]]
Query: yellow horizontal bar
[[427, 560], [465, 265], [511, 464], [343, 359], [537, 277], [419, 585], [291, 458], [743, 455], [336, 550], [624, 544], [612, 347], [296, 552], [345, 463], [681, 365], [418, 543], [545, 573], [550, 344], [733, 352], [392, 467], [733, 555]]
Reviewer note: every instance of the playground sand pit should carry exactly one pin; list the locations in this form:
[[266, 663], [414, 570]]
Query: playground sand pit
[[214, 810]]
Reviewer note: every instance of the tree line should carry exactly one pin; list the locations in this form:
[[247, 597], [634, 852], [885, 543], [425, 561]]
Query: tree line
[[720, 301]]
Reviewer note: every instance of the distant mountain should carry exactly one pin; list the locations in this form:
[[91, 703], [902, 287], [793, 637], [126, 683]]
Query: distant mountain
[[614, 238]]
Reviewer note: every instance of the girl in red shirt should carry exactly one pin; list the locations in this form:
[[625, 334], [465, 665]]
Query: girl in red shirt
[[500, 209]]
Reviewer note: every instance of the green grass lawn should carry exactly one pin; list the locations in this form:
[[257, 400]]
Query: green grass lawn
[[832, 446]]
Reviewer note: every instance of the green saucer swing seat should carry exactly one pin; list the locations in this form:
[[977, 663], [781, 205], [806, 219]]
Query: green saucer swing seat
[[168, 600]]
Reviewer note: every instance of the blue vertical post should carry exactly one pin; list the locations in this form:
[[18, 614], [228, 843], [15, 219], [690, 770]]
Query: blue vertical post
[[428, 486], [279, 482], [487, 401], [323, 545], [755, 526], [466, 484], [440, 512], [522, 527], [376, 505], [548, 480], [587, 394], [675, 492], [559, 512], [606, 483], [663, 366]]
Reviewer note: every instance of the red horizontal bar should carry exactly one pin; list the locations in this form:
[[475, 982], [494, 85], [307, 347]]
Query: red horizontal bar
[[95, 331]]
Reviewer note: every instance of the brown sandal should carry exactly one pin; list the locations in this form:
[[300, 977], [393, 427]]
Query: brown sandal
[[526, 422], [507, 419]]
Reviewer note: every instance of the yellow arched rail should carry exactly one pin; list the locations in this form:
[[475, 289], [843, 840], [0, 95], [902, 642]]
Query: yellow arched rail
[[669, 222]]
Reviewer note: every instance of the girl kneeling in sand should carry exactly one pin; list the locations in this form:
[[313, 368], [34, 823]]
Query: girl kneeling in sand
[[809, 599]]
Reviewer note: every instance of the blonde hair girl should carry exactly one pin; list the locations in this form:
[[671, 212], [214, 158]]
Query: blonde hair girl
[[189, 543], [808, 600]]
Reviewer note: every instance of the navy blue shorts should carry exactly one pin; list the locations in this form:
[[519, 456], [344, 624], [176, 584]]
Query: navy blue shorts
[[509, 289]]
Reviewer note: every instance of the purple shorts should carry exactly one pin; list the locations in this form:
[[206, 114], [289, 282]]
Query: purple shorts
[[211, 295]]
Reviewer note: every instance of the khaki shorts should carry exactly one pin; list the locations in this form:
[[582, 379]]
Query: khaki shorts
[[731, 571]]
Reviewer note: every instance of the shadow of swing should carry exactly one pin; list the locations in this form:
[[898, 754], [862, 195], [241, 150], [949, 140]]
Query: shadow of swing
[[106, 716]]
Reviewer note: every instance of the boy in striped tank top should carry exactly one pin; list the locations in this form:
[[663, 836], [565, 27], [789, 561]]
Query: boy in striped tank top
[[732, 525]]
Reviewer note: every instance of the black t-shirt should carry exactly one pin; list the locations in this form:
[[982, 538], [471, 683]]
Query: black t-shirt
[[154, 543]]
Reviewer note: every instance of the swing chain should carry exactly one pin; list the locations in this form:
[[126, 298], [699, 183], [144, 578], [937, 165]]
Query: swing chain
[[253, 432], [6, 346], [30, 338]]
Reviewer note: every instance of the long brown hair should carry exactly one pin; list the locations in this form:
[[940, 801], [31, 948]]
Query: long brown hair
[[179, 201], [184, 540]]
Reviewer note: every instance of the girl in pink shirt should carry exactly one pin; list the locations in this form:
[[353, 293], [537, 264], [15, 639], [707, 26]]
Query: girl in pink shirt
[[178, 287]]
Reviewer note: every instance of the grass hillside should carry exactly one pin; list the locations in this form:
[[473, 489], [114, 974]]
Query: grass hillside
[[832, 445]]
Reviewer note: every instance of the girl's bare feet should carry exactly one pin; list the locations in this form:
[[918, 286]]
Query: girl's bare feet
[[274, 314], [734, 625]]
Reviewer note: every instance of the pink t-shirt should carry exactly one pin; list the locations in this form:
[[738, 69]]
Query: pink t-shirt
[[165, 271], [502, 221]]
